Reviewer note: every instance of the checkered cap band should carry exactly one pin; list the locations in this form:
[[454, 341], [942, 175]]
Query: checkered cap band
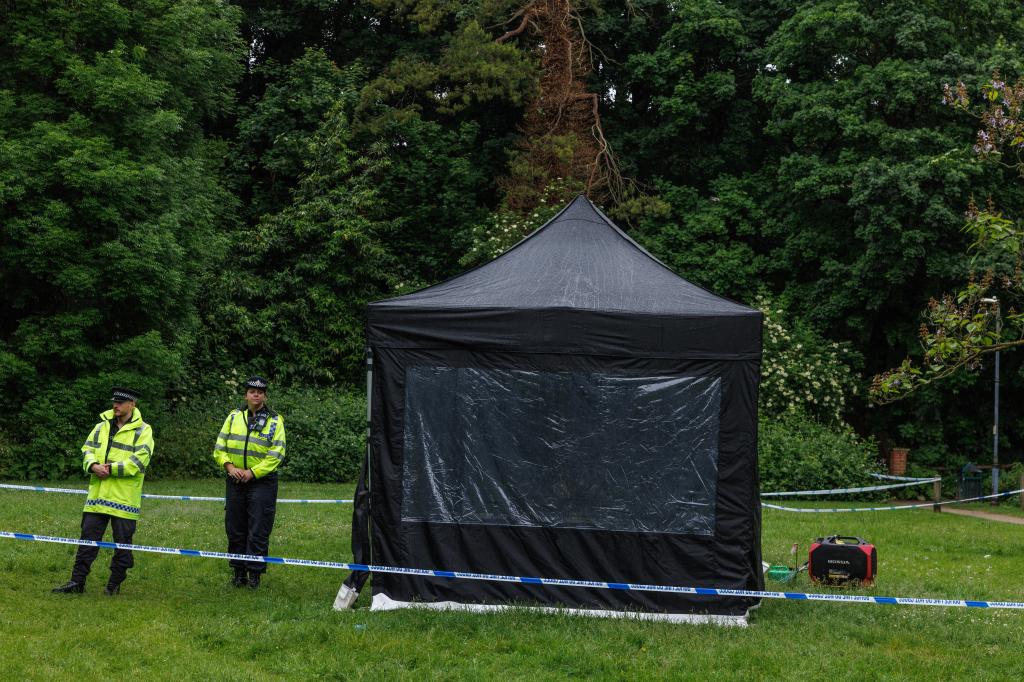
[[120, 394], [256, 382]]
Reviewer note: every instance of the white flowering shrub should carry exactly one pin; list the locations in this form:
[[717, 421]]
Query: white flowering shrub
[[806, 383], [803, 371], [504, 228]]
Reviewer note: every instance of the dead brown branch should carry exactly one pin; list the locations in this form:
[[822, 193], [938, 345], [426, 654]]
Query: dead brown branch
[[526, 16], [562, 132]]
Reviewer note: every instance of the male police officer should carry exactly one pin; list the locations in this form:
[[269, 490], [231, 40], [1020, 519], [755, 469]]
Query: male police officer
[[250, 447], [116, 456]]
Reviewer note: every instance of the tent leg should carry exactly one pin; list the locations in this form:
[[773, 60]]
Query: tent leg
[[362, 548]]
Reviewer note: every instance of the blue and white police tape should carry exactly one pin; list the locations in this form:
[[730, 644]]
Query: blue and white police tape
[[813, 510], [76, 491], [889, 477], [560, 582], [863, 489]]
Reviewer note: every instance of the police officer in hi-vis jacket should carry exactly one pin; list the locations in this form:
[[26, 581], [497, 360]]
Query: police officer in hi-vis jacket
[[250, 447], [116, 456]]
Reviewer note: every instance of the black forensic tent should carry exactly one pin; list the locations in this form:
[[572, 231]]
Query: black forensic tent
[[571, 409]]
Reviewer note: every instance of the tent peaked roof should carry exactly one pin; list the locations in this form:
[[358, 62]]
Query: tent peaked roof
[[578, 260]]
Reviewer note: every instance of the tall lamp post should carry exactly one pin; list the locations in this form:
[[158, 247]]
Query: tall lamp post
[[995, 424]]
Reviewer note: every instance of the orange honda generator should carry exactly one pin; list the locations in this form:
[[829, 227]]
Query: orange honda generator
[[841, 560]]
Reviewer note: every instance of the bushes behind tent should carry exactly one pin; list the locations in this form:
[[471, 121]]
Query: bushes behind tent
[[797, 452], [7, 458], [325, 429], [326, 440]]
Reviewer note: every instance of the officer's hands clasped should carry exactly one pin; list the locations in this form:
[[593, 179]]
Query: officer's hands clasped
[[237, 474]]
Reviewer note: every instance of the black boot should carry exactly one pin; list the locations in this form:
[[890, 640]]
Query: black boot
[[70, 587], [111, 589], [254, 580], [240, 579]]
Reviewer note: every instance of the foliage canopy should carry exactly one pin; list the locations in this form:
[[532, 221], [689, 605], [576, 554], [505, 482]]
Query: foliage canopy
[[189, 186]]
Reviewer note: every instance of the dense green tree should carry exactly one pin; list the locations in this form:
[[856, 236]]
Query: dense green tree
[[296, 50], [311, 268], [867, 198], [983, 316], [961, 330], [871, 188], [684, 124], [362, 225], [189, 184], [360, 178], [110, 203], [803, 148], [421, 60], [677, 82], [274, 134]]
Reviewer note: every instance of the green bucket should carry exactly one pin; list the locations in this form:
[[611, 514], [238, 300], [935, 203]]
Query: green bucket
[[780, 574]]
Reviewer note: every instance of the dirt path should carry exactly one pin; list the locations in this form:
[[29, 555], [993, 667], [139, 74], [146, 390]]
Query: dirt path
[[984, 515]]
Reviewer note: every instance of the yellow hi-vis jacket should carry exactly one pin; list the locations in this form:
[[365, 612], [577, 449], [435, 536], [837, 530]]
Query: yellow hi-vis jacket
[[255, 442], [128, 452]]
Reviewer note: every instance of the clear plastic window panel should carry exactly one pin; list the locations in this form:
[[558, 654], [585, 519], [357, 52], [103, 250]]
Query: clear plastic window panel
[[569, 449]]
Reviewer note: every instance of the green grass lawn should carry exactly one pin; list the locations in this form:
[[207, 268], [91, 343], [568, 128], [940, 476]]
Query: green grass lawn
[[177, 618], [1005, 508]]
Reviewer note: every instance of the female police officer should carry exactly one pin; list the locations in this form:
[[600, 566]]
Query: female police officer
[[250, 447]]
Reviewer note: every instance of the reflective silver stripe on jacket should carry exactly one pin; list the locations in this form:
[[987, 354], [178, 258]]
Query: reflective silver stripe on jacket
[[137, 463], [238, 451], [235, 437], [254, 439]]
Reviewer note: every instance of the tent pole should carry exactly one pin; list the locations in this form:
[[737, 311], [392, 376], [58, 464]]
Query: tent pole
[[369, 461]]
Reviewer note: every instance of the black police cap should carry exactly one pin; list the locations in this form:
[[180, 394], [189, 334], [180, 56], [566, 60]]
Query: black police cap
[[256, 382], [121, 393]]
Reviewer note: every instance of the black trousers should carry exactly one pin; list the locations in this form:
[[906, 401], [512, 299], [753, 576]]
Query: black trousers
[[249, 518], [93, 527], [360, 532]]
